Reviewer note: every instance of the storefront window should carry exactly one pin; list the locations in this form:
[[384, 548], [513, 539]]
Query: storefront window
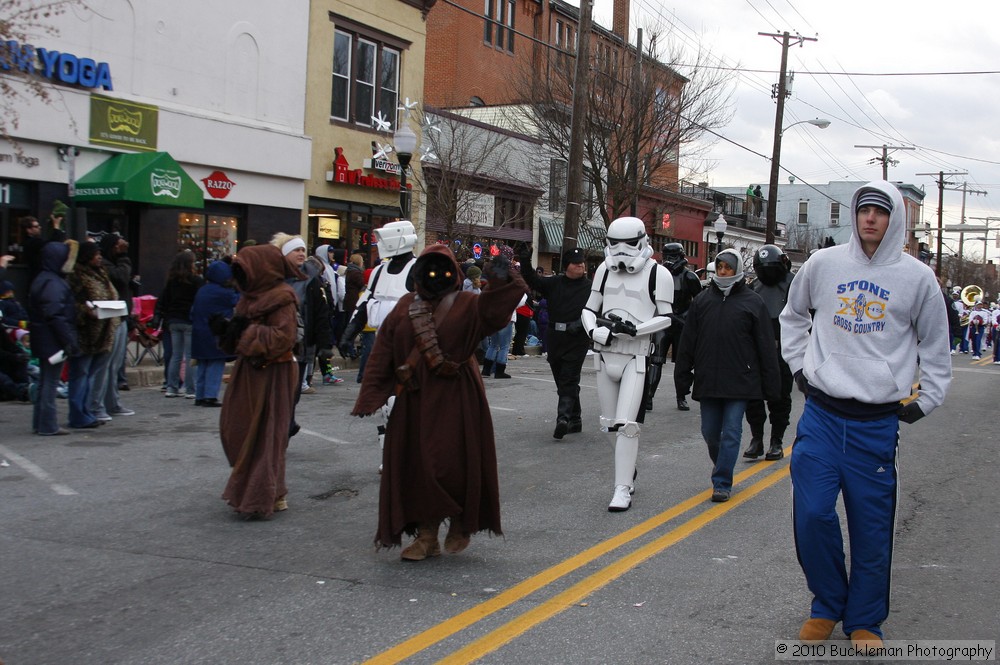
[[210, 237]]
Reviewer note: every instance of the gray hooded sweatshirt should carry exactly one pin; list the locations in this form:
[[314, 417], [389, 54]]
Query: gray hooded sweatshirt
[[874, 318]]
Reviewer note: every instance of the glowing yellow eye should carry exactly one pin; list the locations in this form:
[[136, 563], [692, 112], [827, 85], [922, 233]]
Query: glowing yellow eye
[[432, 273], [448, 274]]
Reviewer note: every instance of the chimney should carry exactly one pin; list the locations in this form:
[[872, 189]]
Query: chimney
[[619, 19]]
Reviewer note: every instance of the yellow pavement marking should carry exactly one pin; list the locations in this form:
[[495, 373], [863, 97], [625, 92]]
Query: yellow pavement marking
[[540, 580], [609, 573]]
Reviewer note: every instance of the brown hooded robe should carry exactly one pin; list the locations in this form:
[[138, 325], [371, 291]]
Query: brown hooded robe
[[257, 410], [439, 458]]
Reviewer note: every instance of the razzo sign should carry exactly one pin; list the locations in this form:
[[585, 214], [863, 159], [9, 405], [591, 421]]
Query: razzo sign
[[60, 67]]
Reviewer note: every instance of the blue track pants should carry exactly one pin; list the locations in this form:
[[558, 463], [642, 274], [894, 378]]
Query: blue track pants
[[834, 455]]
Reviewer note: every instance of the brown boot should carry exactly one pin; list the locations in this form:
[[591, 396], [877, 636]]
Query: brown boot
[[816, 630], [865, 640], [425, 544], [456, 540]]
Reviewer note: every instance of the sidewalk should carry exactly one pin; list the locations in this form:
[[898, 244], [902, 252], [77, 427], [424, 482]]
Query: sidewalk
[[148, 373]]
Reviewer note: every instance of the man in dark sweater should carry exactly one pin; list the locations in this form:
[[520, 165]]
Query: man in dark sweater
[[567, 341]]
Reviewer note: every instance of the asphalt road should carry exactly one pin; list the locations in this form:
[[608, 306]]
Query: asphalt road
[[115, 546]]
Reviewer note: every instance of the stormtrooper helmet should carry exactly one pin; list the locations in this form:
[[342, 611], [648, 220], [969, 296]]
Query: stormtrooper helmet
[[627, 246], [395, 238]]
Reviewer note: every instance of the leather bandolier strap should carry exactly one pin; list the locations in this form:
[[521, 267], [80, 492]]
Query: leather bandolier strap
[[422, 315]]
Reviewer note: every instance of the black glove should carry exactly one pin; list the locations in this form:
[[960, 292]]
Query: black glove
[[910, 413], [500, 269], [218, 324], [801, 382], [524, 256], [231, 338]]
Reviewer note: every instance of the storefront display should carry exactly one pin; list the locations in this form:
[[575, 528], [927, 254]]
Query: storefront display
[[210, 237]]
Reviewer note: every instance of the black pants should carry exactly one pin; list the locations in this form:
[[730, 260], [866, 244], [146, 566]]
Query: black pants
[[780, 409], [566, 354], [522, 324]]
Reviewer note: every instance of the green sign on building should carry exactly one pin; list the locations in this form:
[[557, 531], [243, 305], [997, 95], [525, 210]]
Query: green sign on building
[[123, 124]]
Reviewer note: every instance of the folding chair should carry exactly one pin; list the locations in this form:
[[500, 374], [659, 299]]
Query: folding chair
[[143, 338]]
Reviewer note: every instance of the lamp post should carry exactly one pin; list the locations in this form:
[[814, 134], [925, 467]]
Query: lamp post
[[405, 142], [720, 227], [772, 188]]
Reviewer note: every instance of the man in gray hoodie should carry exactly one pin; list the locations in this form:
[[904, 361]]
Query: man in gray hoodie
[[879, 318]]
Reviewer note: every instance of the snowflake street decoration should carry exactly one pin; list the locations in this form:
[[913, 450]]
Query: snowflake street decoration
[[382, 152], [407, 107], [382, 123], [427, 154], [431, 124]]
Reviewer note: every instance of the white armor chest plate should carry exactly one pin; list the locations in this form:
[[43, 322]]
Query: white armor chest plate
[[627, 295]]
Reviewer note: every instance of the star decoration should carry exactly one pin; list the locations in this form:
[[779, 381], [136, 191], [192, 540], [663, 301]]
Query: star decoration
[[431, 124], [382, 123], [427, 154], [382, 152]]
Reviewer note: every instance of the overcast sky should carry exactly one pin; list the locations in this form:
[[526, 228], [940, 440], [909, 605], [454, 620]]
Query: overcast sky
[[953, 119]]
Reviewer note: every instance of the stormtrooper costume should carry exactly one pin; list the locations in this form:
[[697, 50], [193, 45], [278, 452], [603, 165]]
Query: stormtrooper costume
[[388, 282], [630, 300]]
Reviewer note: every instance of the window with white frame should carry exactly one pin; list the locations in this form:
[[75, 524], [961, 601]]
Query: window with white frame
[[366, 72], [803, 212], [834, 213]]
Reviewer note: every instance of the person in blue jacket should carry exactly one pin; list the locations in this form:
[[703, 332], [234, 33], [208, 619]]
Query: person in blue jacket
[[216, 298], [51, 322]]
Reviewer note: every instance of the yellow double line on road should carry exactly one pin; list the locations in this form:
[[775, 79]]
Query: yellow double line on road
[[585, 587]]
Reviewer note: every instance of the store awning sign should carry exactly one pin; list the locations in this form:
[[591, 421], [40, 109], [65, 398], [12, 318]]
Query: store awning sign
[[148, 177]]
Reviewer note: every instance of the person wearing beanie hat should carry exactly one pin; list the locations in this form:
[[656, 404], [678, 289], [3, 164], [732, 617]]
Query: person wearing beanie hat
[[473, 279], [727, 353], [862, 319]]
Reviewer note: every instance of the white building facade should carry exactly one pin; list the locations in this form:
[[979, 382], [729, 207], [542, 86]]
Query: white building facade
[[217, 86]]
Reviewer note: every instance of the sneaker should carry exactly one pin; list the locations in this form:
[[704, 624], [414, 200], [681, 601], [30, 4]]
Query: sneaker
[[331, 379], [170, 393], [977, 357], [953, 352], [105, 418], [308, 390], [123, 412], [62, 391], [621, 501], [190, 396], [720, 496]]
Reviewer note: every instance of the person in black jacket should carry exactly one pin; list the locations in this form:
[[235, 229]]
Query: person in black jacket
[[567, 341], [52, 317], [33, 240], [773, 281], [727, 350], [174, 307]]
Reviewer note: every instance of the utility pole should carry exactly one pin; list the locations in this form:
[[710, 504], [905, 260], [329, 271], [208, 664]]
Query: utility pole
[[637, 96], [940, 225], [780, 91], [885, 159], [986, 234], [578, 126], [961, 235]]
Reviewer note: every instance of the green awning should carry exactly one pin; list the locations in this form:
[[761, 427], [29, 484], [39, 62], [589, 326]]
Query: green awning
[[144, 177]]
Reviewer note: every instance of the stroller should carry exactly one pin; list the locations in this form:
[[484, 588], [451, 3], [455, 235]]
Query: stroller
[[145, 337]]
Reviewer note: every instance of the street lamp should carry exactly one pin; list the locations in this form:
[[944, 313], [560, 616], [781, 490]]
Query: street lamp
[[720, 227], [772, 188], [405, 143]]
